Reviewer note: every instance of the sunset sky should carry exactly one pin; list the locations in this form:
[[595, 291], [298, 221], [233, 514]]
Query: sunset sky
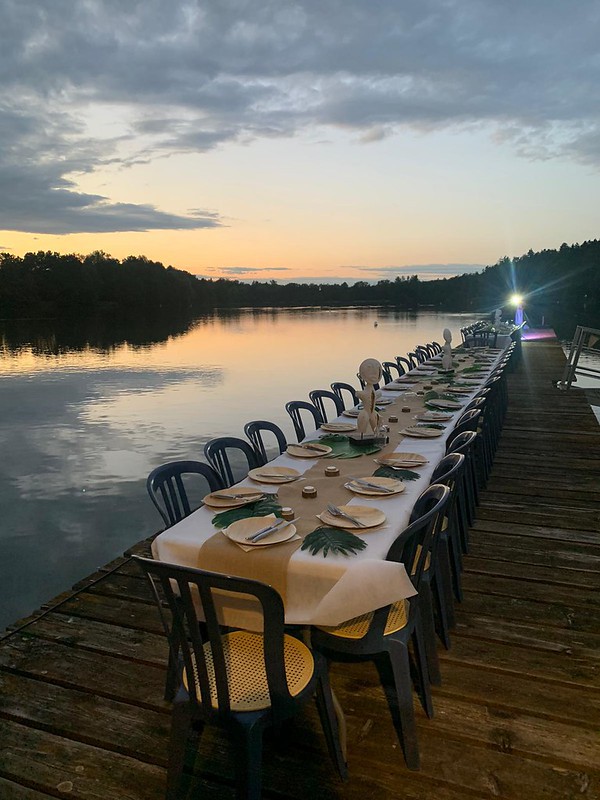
[[318, 139]]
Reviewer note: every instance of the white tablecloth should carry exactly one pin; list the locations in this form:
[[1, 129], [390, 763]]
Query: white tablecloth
[[328, 591]]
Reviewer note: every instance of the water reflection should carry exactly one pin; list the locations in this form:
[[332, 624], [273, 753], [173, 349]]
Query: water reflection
[[86, 413]]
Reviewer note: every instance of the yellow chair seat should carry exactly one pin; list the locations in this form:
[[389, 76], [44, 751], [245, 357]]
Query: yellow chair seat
[[247, 678], [357, 628]]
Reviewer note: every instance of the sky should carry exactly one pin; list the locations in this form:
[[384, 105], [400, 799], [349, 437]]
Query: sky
[[310, 140]]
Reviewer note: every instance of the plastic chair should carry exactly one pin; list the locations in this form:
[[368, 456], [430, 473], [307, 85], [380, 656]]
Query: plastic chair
[[404, 364], [389, 368], [448, 561], [412, 360], [465, 443], [254, 431], [318, 397], [295, 408], [338, 387], [423, 353], [217, 452], [241, 681], [362, 382], [166, 486], [383, 635]]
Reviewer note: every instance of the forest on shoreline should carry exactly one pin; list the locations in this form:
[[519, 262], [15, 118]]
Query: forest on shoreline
[[47, 285]]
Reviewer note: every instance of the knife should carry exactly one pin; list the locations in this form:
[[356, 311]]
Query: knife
[[277, 526]]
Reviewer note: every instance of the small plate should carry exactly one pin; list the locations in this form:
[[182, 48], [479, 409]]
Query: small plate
[[407, 460], [383, 401], [459, 390], [433, 416], [385, 483], [218, 500], [238, 531], [450, 404], [298, 451], [351, 412], [370, 517], [421, 433], [393, 387], [338, 427], [274, 474]]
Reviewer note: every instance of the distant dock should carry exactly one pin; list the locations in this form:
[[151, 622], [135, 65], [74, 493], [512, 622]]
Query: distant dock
[[518, 712]]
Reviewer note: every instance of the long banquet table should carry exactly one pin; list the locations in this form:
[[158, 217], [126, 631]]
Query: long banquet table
[[316, 589]]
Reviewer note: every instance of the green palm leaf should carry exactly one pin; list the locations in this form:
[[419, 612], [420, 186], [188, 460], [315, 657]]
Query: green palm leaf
[[268, 505], [403, 474], [342, 447], [332, 540]]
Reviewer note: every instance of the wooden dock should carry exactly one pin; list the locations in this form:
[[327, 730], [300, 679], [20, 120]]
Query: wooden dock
[[517, 716]]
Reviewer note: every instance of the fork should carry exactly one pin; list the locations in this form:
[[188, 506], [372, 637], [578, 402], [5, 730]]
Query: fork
[[375, 486], [337, 512]]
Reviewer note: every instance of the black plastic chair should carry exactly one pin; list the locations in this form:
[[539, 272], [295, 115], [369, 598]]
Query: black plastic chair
[[218, 451], [415, 358], [404, 364], [448, 561], [383, 635], [167, 484], [468, 421], [254, 431], [465, 443], [241, 681], [295, 408], [423, 353], [436, 346], [338, 387], [318, 398], [390, 371]]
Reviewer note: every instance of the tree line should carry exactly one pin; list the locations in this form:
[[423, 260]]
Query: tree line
[[50, 285]]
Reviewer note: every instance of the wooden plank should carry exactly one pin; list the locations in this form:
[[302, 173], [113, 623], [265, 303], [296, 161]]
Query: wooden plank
[[529, 571], [495, 524], [488, 685], [567, 597], [16, 791]]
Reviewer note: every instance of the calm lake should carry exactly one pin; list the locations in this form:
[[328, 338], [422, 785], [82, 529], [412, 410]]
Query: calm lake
[[86, 414]]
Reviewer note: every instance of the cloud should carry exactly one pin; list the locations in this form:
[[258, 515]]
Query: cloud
[[421, 269], [4, 248], [243, 270], [106, 82]]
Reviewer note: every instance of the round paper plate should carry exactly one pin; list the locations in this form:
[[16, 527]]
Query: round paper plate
[[238, 531], [365, 514], [302, 451], [383, 401], [393, 387], [238, 497], [273, 474], [395, 486], [421, 433], [433, 416], [445, 404], [402, 460], [351, 412], [338, 427], [459, 390]]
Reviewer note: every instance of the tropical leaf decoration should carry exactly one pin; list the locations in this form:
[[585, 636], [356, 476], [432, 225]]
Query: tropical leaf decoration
[[432, 395], [269, 505], [404, 474], [474, 368], [435, 425], [332, 540], [342, 447]]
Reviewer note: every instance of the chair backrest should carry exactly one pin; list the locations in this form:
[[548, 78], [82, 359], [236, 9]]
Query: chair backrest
[[254, 431], [467, 422], [203, 648], [318, 397], [363, 383], [295, 408], [338, 387], [437, 347], [422, 353], [217, 452], [390, 371], [413, 360], [447, 469], [414, 543], [166, 486], [462, 443], [403, 364]]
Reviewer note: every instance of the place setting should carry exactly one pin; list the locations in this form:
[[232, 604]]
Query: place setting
[[433, 416], [233, 498], [352, 517], [308, 450], [444, 404], [401, 460], [274, 474], [260, 531], [338, 427], [422, 431], [372, 486]]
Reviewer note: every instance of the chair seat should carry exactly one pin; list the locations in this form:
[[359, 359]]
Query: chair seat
[[247, 678], [357, 627]]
